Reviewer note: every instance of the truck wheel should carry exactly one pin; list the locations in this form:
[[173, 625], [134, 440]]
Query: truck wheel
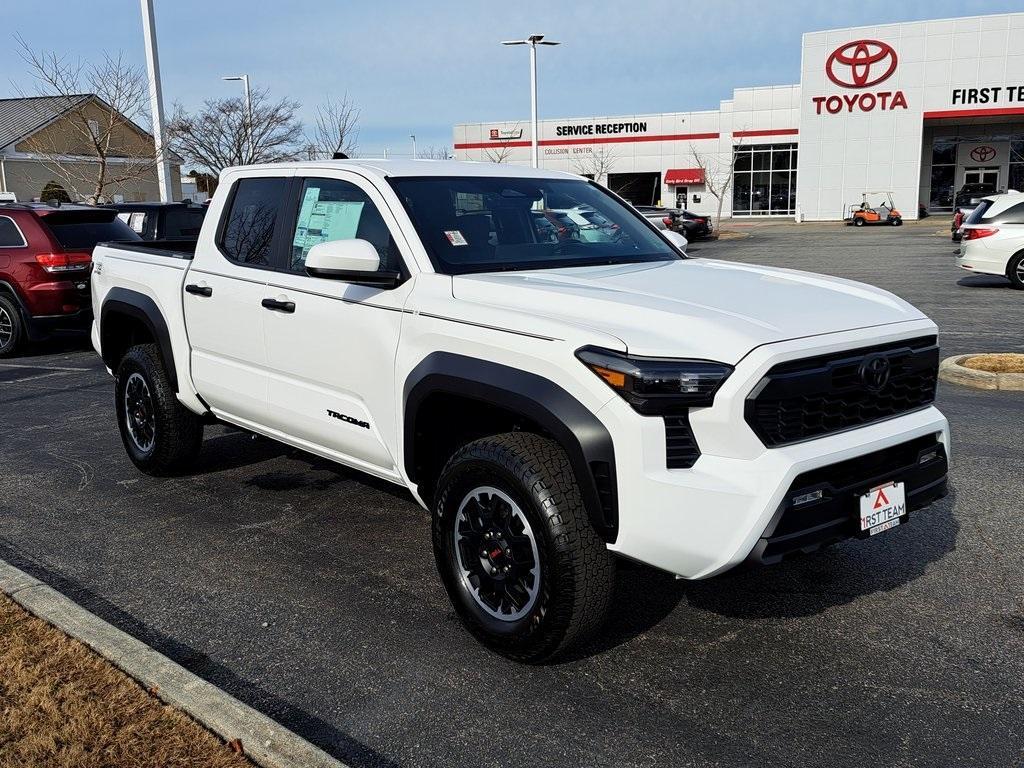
[[521, 563], [11, 327], [1015, 271], [161, 436]]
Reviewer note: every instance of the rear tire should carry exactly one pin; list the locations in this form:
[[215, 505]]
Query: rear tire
[[526, 572], [1015, 271], [162, 437], [12, 327]]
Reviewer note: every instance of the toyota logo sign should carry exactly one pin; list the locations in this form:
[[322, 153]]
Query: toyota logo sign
[[861, 64], [983, 154]]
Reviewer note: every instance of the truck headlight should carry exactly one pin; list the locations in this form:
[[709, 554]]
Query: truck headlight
[[657, 385]]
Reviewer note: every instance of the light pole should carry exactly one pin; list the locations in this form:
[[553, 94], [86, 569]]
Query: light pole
[[413, 137], [533, 41], [248, 109], [156, 102]]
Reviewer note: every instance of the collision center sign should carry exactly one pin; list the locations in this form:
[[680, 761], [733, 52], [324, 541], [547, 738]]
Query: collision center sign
[[858, 65]]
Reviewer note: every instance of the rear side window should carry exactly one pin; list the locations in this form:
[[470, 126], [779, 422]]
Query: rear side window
[[80, 231], [1012, 215], [249, 226], [183, 223], [10, 235]]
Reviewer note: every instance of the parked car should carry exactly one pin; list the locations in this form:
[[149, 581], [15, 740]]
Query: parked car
[[692, 226], [45, 256], [993, 238], [554, 405], [162, 221], [970, 195]]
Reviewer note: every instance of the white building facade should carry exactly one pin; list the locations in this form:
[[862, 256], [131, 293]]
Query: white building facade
[[916, 110]]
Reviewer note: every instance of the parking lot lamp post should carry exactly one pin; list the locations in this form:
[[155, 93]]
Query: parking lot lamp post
[[156, 102], [248, 109], [533, 41], [413, 137]]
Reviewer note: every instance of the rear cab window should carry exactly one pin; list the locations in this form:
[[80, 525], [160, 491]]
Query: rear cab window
[[183, 223], [247, 232]]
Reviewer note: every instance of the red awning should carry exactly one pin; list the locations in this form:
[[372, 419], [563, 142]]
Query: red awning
[[684, 176]]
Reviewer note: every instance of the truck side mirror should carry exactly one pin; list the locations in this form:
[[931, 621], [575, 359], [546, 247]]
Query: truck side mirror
[[351, 261]]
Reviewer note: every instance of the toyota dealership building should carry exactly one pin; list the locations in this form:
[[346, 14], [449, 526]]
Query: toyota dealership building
[[916, 109]]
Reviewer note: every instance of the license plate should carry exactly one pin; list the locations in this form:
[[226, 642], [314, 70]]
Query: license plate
[[882, 508]]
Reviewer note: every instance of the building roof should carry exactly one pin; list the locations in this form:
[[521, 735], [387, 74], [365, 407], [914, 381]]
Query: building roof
[[22, 117]]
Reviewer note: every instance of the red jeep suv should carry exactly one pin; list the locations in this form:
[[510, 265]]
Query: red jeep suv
[[45, 259]]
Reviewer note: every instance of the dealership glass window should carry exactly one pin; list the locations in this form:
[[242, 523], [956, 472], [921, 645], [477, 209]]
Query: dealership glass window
[[943, 173], [1016, 177], [764, 183]]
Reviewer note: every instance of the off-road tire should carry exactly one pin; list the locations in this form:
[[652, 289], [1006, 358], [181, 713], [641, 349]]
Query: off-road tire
[[177, 433], [9, 311], [576, 569], [1015, 271]]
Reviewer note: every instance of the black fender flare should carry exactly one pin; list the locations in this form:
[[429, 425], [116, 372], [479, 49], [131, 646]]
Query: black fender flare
[[138, 306], [581, 434]]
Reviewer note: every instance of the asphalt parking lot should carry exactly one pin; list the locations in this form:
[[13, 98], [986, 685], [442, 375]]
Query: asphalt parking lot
[[309, 591]]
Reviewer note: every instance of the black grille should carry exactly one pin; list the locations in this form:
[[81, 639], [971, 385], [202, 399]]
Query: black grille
[[802, 399], [680, 445]]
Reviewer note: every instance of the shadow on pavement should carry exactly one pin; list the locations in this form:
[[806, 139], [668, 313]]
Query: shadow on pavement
[[308, 726], [797, 587], [983, 281]]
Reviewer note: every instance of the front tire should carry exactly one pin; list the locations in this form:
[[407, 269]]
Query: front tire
[[162, 437], [12, 330], [858, 222], [1015, 271], [526, 572], [896, 221]]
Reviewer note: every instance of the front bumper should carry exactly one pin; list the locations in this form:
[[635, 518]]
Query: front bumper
[[701, 521]]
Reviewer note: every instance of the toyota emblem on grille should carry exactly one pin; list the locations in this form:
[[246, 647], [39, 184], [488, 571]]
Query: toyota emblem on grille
[[874, 372]]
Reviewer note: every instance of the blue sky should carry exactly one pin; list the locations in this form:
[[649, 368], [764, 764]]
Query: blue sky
[[420, 67]]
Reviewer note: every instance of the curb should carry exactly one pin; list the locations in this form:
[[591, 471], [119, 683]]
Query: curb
[[952, 371], [264, 741]]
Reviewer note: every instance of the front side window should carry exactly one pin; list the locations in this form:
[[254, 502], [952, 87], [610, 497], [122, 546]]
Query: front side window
[[490, 224], [249, 226], [332, 209]]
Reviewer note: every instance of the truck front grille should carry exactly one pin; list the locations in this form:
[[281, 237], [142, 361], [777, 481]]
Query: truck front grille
[[804, 399]]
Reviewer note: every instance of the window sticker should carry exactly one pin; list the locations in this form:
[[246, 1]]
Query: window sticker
[[455, 237], [321, 221]]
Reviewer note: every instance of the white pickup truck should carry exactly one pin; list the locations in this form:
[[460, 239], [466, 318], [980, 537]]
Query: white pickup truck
[[554, 400]]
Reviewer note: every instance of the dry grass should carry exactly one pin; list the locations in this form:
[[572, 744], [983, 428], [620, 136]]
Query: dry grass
[[1009, 362], [62, 706]]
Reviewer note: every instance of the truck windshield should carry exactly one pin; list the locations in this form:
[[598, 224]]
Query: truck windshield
[[486, 224]]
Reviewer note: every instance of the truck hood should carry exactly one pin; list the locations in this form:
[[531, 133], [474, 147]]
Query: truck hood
[[698, 308]]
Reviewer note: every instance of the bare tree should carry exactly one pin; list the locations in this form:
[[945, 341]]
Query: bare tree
[[596, 164], [719, 169], [503, 147], [219, 135], [434, 153], [336, 129], [98, 144]]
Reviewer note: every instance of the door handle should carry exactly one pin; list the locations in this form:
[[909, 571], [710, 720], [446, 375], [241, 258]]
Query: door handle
[[279, 306], [199, 290]]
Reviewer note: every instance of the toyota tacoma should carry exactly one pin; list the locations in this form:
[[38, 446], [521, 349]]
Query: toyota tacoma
[[555, 401]]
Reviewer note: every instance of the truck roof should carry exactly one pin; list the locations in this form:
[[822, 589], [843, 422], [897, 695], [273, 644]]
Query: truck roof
[[398, 168]]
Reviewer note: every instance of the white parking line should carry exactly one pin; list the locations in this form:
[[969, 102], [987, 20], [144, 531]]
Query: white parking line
[[35, 378]]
